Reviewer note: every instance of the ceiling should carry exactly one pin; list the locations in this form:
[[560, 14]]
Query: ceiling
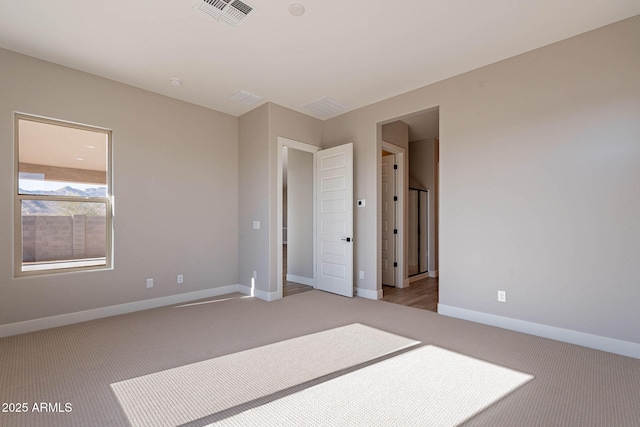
[[62, 146], [424, 125], [356, 52]]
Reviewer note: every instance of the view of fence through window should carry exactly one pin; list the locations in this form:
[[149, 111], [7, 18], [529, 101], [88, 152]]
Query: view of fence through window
[[63, 195]]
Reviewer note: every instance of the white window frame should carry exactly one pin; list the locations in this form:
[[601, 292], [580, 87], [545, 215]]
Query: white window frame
[[18, 198]]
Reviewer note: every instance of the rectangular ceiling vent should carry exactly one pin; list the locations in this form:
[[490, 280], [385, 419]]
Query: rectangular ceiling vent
[[325, 108], [245, 97], [231, 12]]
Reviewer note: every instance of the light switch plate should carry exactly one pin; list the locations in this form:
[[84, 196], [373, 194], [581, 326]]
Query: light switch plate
[[256, 225]]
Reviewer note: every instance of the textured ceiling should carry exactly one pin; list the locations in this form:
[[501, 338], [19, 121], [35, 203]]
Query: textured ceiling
[[356, 52]]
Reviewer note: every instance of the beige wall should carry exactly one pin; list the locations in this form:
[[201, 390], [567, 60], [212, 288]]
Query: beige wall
[[174, 168], [539, 177], [396, 133], [254, 197], [258, 170]]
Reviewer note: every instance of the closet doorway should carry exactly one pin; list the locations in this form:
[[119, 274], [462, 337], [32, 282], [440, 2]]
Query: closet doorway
[[296, 257]]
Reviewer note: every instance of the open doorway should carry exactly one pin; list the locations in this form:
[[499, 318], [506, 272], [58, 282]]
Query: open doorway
[[296, 216], [420, 248], [297, 250], [314, 218]]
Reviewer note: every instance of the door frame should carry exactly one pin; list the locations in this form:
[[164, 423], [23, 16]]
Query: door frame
[[389, 160], [302, 146], [401, 190]]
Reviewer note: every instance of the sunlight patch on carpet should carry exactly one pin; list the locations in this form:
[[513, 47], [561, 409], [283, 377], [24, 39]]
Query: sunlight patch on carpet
[[190, 392], [428, 386]]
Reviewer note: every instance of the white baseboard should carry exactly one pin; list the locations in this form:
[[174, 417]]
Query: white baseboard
[[367, 293], [114, 310], [263, 295], [434, 273], [300, 279], [612, 345]]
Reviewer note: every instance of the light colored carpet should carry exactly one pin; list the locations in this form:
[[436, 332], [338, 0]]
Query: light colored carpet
[[172, 397], [573, 386], [428, 386]]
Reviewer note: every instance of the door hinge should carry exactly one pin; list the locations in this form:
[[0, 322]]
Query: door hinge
[[395, 231], [395, 167], [395, 198], [395, 264]]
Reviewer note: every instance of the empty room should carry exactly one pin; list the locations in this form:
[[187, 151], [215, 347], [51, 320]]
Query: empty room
[[206, 203]]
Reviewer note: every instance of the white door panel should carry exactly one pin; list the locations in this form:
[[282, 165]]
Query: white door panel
[[334, 193]]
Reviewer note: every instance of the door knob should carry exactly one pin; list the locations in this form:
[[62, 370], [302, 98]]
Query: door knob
[[346, 239]]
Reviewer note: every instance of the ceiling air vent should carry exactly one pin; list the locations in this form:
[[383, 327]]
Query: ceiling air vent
[[244, 97], [231, 12], [325, 108]]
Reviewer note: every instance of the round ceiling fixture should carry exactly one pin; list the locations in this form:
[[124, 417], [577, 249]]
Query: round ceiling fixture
[[296, 9], [175, 81]]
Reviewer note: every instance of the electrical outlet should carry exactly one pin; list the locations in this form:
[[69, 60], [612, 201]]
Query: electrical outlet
[[361, 275], [180, 278], [149, 283], [502, 296]]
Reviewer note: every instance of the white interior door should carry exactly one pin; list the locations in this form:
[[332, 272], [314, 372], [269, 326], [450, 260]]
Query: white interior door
[[334, 220], [388, 220]]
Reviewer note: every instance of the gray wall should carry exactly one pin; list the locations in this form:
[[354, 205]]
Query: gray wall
[[174, 169], [539, 177]]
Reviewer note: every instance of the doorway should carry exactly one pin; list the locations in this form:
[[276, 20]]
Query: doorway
[[420, 284], [296, 254], [314, 217]]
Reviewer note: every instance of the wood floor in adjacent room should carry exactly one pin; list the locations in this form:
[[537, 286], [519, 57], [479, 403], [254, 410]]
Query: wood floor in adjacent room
[[292, 288], [419, 294]]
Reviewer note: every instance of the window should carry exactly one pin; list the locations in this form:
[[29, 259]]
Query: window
[[62, 196]]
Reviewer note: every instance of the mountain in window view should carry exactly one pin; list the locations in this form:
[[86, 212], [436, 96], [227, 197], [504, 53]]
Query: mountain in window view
[[52, 207]]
